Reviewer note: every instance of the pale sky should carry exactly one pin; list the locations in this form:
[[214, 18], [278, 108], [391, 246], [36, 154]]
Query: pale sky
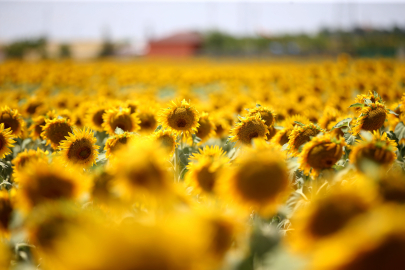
[[135, 21]]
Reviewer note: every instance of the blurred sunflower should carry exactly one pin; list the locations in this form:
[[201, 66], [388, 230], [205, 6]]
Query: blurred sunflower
[[37, 127], [381, 246], [206, 128], [380, 150], [115, 142], [6, 211], [23, 158], [140, 170], [301, 135], [55, 131], [121, 118], [371, 118], [203, 174], [267, 114], [322, 152], [391, 187], [79, 148], [102, 188], [148, 121], [281, 136], [5, 256], [6, 141], [180, 118], [248, 128], [257, 181], [41, 182], [328, 214], [329, 117], [165, 139], [13, 120], [94, 117]]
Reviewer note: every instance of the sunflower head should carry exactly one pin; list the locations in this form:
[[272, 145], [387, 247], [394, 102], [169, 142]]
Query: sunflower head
[[380, 150], [265, 113], [115, 142], [13, 120], [372, 96], [79, 148], [148, 121], [6, 141], [372, 117], [248, 128], [301, 135], [322, 152], [391, 187], [41, 182], [180, 118], [6, 211], [329, 117], [327, 214], [140, 170], [212, 152], [166, 139], [24, 158], [281, 136], [94, 117], [206, 127], [203, 174], [55, 131], [120, 118], [258, 180]]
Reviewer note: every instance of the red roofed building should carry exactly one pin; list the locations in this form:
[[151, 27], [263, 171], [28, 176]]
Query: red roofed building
[[178, 45]]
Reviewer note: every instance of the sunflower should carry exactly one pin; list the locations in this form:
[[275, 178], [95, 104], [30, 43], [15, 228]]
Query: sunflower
[[102, 189], [248, 128], [265, 113], [55, 131], [372, 117], [6, 141], [6, 211], [281, 136], [301, 135], [376, 241], [222, 124], [327, 214], [148, 121], [120, 118], [116, 142], [140, 170], [203, 175], [166, 140], [13, 120], [373, 97], [258, 180], [180, 118], [33, 106], [5, 256], [41, 182], [23, 158], [37, 127], [329, 117], [380, 150], [391, 187], [322, 152], [94, 117], [206, 128], [80, 148], [212, 152]]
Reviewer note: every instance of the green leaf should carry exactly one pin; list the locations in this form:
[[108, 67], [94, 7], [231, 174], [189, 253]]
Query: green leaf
[[392, 112], [196, 139], [367, 101], [400, 131], [377, 95], [360, 105], [258, 105], [350, 139], [344, 123], [299, 123], [118, 131], [159, 127]]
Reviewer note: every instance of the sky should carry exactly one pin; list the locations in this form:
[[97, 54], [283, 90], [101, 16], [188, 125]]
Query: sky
[[139, 21]]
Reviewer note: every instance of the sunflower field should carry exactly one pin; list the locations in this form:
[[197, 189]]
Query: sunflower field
[[202, 165]]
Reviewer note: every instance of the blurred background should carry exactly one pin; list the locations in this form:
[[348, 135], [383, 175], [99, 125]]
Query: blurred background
[[91, 29]]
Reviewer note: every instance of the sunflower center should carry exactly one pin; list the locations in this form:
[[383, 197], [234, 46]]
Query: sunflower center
[[50, 187], [304, 137], [5, 214], [98, 118], [375, 119], [206, 179], [332, 215], [38, 128], [9, 122], [181, 123], [204, 129], [250, 130], [323, 156], [253, 135], [32, 108], [57, 132], [167, 141], [260, 182], [85, 152]]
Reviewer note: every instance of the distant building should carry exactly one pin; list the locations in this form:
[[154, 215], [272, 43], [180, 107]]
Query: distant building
[[80, 49], [185, 44]]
